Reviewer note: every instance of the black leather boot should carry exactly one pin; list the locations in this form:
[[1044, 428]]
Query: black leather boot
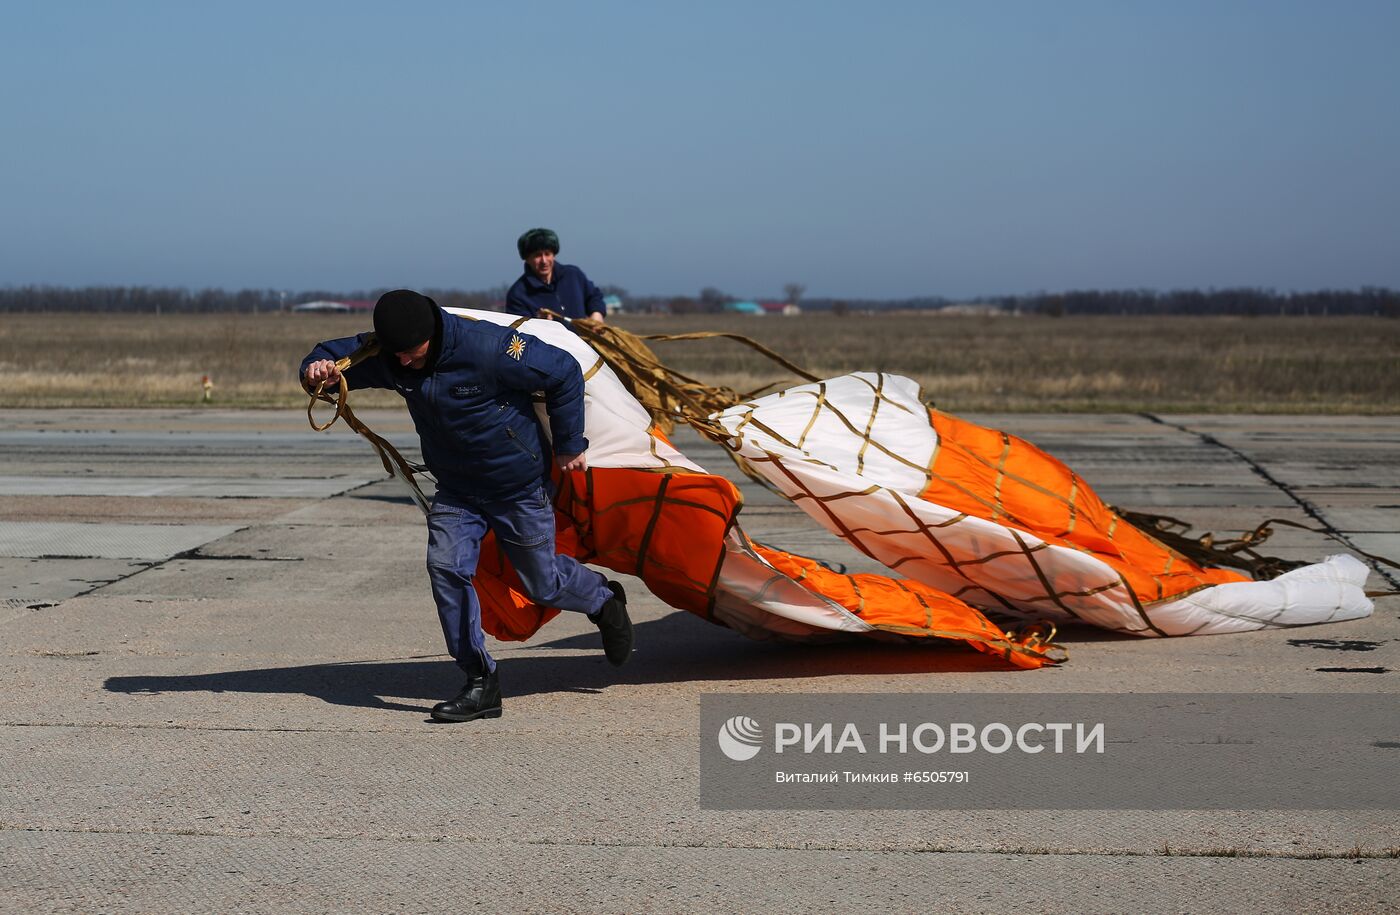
[[480, 698], [615, 626]]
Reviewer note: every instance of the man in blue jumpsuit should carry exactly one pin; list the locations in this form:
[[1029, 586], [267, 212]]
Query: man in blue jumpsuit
[[469, 387], [546, 283]]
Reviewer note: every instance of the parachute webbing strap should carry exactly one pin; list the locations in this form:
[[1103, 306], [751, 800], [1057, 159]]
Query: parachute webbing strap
[[394, 463], [1237, 552]]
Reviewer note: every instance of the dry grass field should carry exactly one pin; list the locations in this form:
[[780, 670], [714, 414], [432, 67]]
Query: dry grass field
[[1303, 365]]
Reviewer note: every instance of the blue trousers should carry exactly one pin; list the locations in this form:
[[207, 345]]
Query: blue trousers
[[524, 528]]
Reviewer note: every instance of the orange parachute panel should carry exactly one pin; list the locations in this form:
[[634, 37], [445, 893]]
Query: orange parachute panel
[[908, 608], [666, 528], [669, 530], [992, 475], [506, 612]]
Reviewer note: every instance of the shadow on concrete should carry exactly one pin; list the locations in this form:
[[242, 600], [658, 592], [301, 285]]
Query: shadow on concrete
[[678, 648], [375, 497], [1077, 633]]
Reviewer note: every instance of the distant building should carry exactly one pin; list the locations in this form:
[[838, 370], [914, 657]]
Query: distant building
[[963, 309], [781, 308], [341, 307], [614, 305], [322, 305], [743, 308]]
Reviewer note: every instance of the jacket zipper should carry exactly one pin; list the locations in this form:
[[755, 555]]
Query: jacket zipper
[[519, 444]]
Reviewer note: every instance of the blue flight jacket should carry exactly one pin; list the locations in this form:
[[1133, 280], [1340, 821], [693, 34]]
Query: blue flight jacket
[[473, 408], [571, 294]]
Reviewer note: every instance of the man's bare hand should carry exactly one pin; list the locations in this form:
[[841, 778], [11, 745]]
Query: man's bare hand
[[568, 462], [322, 371], [596, 316]]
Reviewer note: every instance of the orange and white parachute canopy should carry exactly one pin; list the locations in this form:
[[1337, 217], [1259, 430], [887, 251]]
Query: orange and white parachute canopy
[[990, 518], [970, 518]]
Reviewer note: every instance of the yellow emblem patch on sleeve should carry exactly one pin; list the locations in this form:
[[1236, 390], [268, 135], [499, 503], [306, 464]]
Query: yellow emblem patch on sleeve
[[516, 348]]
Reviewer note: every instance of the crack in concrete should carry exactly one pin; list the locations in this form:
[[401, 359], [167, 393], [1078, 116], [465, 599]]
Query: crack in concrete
[[195, 554], [100, 585], [1309, 509], [1353, 853]]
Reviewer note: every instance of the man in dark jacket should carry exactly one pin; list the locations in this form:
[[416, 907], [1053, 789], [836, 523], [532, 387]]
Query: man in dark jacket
[[469, 387], [546, 283]]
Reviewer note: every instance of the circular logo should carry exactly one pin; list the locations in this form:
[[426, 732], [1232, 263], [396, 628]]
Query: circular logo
[[740, 738]]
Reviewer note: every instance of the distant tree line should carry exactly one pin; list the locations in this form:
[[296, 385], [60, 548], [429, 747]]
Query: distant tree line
[[162, 299], [1368, 300], [1245, 302]]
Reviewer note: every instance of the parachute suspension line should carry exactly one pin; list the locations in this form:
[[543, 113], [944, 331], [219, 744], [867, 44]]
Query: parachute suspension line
[[1236, 553], [1038, 636], [747, 341], [671, 396], [668, 395], [394, 462]]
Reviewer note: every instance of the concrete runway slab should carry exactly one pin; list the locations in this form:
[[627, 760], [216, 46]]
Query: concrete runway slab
[[186, 487], [240, 724], [42, 539], [53, 580], [144, 873]]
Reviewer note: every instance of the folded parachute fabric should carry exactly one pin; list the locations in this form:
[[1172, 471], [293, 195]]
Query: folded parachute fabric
[[991, 519], [975, 522]]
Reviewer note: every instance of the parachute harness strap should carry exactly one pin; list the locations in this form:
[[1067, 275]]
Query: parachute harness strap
[[342, 401], [394, 462]]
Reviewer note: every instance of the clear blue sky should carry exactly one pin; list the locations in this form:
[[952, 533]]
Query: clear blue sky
[[871, 149]]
